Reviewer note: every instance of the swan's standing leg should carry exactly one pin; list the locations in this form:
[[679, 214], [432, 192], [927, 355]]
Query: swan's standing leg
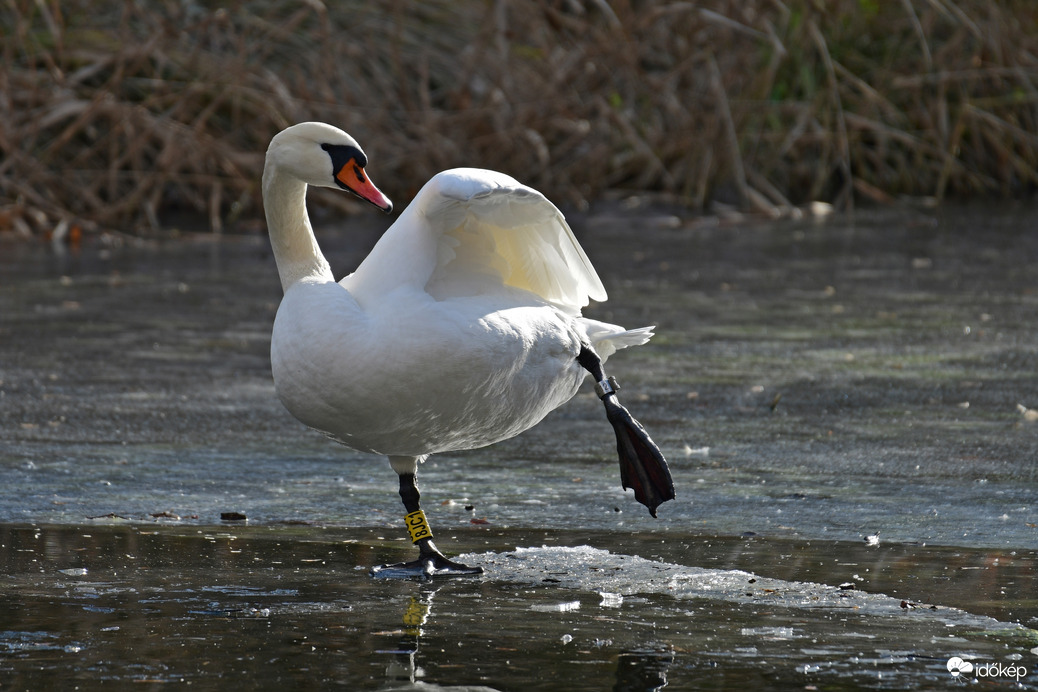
[[642, 465], [431, 562]]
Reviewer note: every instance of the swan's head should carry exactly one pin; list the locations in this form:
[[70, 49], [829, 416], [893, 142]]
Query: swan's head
[[322, 155]]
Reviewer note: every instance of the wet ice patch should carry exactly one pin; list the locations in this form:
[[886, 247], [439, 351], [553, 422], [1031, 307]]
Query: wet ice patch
[[241, 590], [773, 633], [556, 607], [17, 642], [621, 576]]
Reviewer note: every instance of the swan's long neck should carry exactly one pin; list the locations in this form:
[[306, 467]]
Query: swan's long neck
[[292, 238]]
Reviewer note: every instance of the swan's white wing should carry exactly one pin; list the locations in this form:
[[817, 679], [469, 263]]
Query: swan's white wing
[[490, 229]]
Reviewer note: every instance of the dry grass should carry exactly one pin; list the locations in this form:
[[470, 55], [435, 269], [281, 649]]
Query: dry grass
[[125, 118]]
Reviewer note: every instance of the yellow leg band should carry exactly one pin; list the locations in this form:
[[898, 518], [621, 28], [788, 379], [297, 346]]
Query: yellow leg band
[[417, 526]]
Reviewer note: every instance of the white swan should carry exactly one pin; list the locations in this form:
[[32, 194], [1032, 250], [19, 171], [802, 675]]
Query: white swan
[[461, 328]]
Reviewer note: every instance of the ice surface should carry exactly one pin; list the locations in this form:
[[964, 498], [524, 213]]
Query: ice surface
[[595, 570]]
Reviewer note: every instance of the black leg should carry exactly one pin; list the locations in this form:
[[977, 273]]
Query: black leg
[[409, 494], [642, 465], [431, 562]]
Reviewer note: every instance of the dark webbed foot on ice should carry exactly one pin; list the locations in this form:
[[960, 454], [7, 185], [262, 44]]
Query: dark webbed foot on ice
[[642, 465], [430, 563]]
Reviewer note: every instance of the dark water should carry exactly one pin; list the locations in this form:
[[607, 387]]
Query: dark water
[[283, 607], [842, 403]]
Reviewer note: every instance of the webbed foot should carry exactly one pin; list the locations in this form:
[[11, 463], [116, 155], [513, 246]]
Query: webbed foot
[[642, 465], [430, 563]]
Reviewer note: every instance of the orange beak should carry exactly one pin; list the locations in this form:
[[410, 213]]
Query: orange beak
[[352, 177]]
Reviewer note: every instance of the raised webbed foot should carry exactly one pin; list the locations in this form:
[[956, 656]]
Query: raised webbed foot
[[642, 465]]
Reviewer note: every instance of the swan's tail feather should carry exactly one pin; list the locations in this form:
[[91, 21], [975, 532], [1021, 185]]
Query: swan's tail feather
[[607, 339]]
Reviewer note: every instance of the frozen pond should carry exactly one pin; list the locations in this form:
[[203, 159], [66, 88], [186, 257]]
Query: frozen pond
[[292, 607], [843, 403]]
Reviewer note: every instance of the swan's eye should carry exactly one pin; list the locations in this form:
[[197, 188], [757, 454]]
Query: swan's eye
[[343, 155]]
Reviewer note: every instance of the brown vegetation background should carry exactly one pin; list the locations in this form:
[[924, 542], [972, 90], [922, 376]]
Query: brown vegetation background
[[126, 115]]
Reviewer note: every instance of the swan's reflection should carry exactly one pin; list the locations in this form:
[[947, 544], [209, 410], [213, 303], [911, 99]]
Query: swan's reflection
[[402, 674], [640, 669], [402, 666]]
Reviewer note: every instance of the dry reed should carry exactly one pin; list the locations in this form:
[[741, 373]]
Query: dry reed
[[129, 115]]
